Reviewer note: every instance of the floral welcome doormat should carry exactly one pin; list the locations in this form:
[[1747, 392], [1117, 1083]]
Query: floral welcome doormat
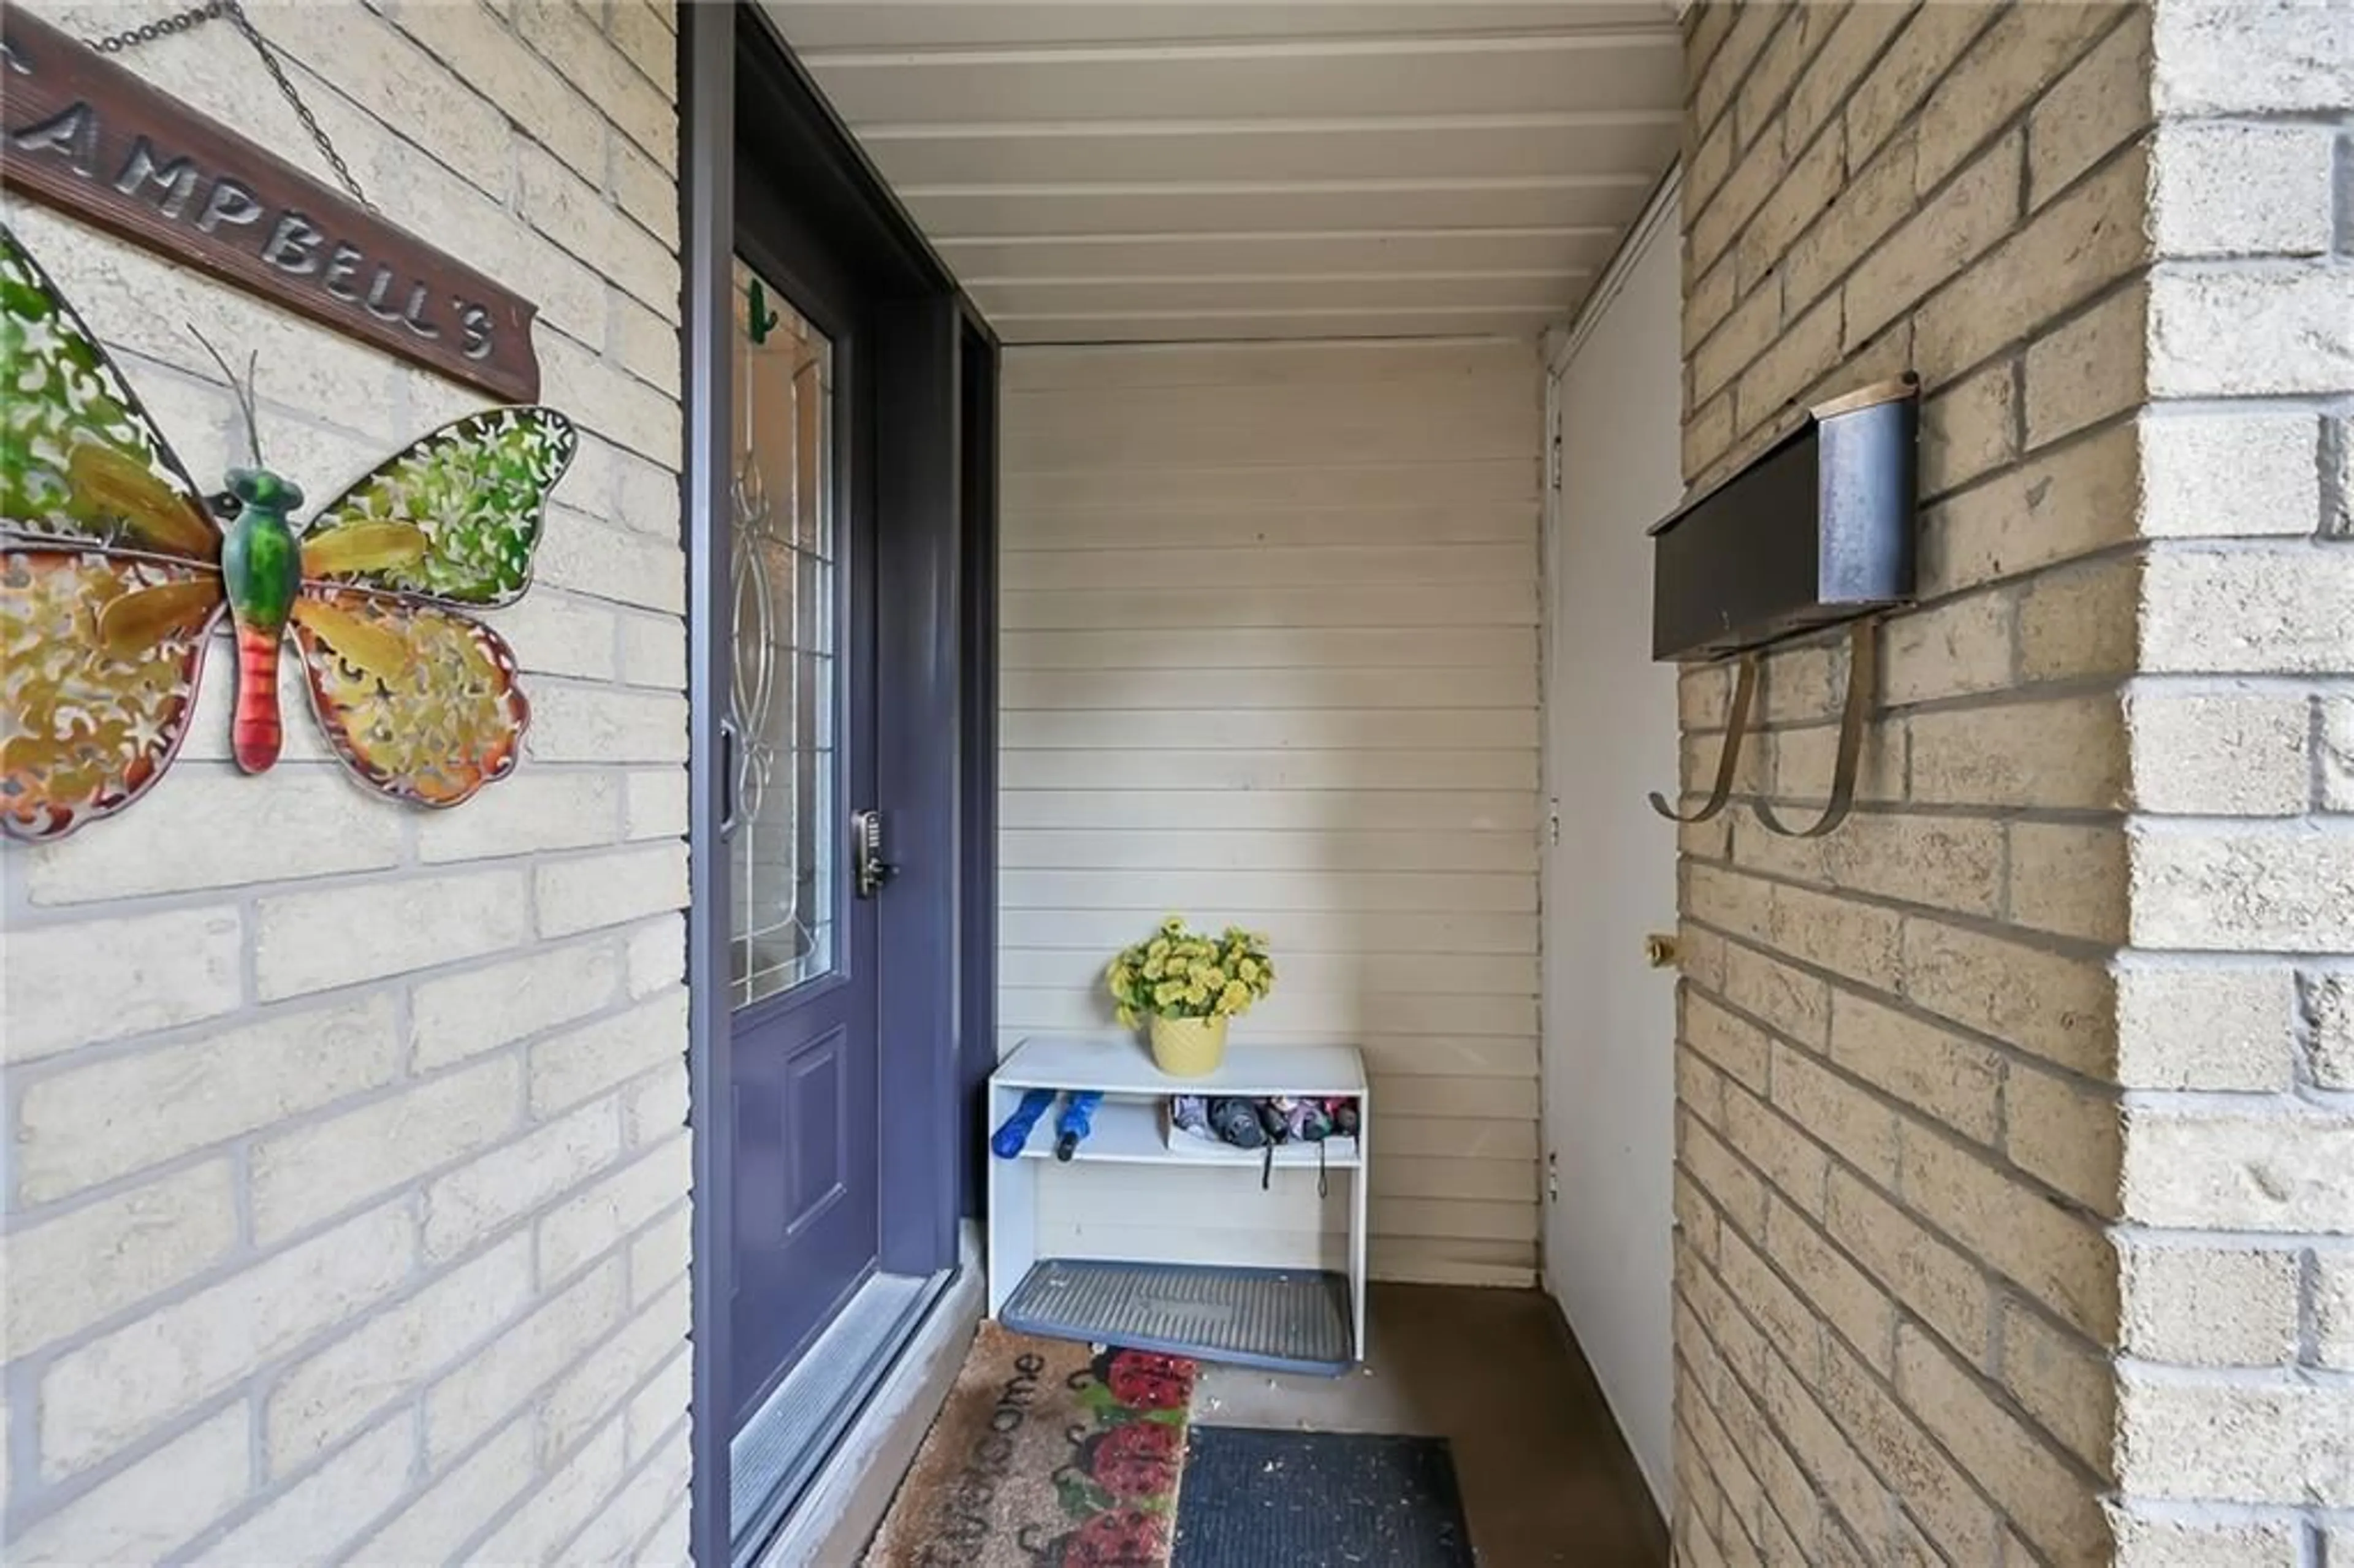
[[1045, 1455]]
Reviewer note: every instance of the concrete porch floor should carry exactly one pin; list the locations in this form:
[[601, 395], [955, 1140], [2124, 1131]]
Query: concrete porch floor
[[1547, 1478]]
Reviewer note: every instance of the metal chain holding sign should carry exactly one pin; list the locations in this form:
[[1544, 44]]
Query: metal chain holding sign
[[213, 10]]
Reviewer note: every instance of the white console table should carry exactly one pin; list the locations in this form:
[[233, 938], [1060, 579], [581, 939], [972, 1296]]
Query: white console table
[[1303, 1319]]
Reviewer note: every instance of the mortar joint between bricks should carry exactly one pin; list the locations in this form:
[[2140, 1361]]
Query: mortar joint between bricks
[[2317, 742], [2333, 454], [2305, 1034], [2342, 186], [2308, 1289]]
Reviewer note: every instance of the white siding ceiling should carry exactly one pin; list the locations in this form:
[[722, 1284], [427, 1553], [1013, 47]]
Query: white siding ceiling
[[1105, 172]]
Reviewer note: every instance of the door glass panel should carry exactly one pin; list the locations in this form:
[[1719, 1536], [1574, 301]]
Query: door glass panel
[[787, 674]]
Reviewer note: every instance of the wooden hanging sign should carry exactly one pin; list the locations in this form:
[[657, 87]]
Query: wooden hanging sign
[[93, 139]]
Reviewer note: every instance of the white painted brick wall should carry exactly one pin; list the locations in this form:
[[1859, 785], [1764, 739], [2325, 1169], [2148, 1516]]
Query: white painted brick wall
[[125, 1112], [2013, 1220], [2239, 1211], [346, 1182]]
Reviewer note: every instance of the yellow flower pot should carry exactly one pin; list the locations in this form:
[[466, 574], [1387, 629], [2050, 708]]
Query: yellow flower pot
[[1188, 1047]]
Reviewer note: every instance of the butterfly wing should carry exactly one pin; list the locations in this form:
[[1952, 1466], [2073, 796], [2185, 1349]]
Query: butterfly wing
[[456, 517], [108, 586], [100, 653], [81, 462], [420, 702]]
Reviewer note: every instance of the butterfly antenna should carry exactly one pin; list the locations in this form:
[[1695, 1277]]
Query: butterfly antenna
[[252, 414], [243, 390]]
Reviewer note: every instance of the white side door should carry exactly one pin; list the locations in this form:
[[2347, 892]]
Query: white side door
[[1609, 877]]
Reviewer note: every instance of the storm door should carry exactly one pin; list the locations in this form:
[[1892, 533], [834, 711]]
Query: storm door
[[800, 766]]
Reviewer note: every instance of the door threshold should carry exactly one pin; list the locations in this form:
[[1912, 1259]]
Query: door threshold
[[781, 1448]]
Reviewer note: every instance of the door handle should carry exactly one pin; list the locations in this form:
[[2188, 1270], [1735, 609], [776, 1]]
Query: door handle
[[727, 776], [866, 851]]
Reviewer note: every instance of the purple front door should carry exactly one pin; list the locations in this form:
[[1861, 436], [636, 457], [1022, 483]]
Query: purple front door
[[802, 932]]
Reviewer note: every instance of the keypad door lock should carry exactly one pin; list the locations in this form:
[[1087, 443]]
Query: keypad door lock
[[867, 852]]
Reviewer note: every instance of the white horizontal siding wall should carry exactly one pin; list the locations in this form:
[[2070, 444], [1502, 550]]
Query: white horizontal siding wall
[[1270, 657]]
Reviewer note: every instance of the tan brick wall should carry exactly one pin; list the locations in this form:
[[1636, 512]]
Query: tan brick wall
[[1898, 1117], [2012, 1136], [2014, 1140], [347, 1179]]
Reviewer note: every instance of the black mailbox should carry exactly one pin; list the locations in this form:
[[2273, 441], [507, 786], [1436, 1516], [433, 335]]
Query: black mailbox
[[1818, 530]]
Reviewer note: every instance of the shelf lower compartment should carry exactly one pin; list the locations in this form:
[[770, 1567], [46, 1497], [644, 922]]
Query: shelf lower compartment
[[1132, 1132], [1284, 1319]]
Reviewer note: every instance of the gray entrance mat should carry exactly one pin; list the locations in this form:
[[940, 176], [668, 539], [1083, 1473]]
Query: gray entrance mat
[[1283, 1319], [1318, 1500]]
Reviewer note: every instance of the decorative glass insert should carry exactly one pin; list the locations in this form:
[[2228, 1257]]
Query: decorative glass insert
[[784, 855]]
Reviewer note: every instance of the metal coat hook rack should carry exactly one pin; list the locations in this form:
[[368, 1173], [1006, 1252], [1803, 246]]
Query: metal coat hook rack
[[1817, 531]]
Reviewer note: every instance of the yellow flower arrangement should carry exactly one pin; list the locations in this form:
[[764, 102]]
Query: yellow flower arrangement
[[1179, 974]]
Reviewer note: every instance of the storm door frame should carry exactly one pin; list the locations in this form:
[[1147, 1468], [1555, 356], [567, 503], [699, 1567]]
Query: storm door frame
[[933, 364]]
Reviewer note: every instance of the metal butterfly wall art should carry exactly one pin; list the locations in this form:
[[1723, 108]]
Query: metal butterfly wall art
[[114, 569]]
